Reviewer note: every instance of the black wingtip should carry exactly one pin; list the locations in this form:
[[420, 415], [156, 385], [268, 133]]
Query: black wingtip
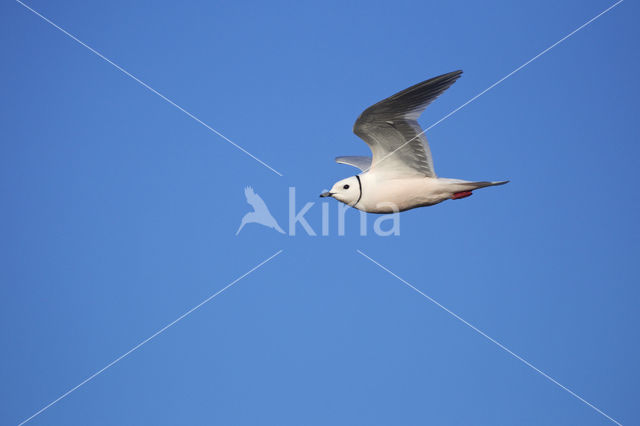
[[454, 74]]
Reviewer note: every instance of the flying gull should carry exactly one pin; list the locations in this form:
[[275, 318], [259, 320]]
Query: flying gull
[[400, 174]]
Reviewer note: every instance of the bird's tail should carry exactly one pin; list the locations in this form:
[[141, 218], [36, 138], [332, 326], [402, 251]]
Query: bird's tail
[[465, 185], [484, 184], [462, 188]]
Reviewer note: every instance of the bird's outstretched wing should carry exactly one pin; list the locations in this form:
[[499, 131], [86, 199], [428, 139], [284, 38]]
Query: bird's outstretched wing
[[391, 129], [254, 200], [361, 162]]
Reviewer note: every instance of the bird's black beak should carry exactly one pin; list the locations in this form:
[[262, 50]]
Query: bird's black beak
[[326, 194]]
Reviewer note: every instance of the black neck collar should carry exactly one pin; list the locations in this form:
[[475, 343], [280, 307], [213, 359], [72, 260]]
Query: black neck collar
[[359, 186]]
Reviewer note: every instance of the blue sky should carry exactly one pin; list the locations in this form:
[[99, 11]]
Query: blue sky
[[119, 214]]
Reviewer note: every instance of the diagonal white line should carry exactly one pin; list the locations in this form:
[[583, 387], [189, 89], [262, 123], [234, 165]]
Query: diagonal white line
[[145, 85], [492, 340], [496, 83], [136, 347]]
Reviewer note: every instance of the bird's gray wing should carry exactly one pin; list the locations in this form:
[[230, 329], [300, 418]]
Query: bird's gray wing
[[391, 129], [361, 162]]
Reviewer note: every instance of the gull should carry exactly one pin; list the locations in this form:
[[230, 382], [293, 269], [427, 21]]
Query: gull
[[260, 213], [400, 176]]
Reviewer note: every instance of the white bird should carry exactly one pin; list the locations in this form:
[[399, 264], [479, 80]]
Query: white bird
[[400, 176], [260, 213]]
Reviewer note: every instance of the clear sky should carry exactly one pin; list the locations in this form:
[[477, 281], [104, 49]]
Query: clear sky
[[119, 214]]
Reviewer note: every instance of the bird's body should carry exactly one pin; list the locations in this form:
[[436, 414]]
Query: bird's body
[[400, 194], [400, 174]]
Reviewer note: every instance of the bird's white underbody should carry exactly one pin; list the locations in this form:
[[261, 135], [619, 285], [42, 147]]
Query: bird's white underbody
[[400, 175], [383, 195]]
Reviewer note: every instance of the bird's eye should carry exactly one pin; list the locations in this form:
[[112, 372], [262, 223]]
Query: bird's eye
[[346, 187]]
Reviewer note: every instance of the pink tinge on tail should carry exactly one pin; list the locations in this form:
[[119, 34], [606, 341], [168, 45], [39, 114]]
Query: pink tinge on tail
[[459, 195]]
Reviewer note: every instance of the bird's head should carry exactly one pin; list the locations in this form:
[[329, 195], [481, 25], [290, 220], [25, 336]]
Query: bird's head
[[347, 191]]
